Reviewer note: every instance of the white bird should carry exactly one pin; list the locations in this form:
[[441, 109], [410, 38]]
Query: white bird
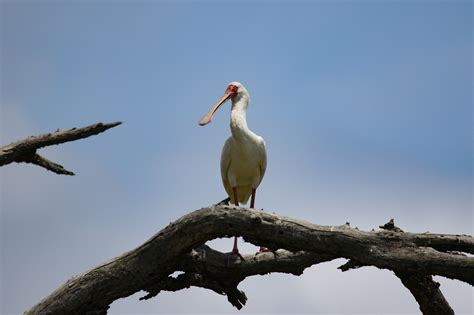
[[244, 157]]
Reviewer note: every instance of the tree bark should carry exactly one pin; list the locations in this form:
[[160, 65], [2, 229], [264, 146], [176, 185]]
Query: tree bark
[[426, 292], [25, 150], [296, 245]]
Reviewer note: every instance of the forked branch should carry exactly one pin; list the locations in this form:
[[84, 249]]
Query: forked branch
[[25, 150], [296, 245]]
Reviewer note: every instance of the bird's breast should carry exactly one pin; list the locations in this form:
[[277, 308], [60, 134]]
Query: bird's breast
[[244, 168]]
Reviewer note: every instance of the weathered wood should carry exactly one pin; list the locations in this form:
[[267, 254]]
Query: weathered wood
[[25, 150], [149, 266], [426, 293], [211, 269]]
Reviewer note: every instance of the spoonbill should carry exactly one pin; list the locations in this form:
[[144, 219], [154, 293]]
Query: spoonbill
[[244, 157]]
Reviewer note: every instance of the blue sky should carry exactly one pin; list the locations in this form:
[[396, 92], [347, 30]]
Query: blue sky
[[365, 106]]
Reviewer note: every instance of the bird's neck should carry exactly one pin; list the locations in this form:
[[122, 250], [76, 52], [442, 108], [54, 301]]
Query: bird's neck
[[238, 121]]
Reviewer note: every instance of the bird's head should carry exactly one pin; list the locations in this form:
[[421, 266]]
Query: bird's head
[[235, 91]]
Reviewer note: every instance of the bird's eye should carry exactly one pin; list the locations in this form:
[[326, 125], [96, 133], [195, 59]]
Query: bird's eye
[[232, 88]]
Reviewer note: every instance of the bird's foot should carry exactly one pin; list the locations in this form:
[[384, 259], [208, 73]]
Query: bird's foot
[[225, 202], [262, 250], [234, 254]]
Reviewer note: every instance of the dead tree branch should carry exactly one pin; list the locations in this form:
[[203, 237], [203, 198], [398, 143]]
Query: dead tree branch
[[222, 272], [426, 292], [178, 247], [25, 150]]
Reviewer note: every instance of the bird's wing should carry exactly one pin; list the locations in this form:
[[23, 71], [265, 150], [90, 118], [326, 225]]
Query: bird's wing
[[226, 159], [263, 160]]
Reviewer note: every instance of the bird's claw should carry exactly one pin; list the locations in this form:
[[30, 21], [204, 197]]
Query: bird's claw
[[264, 250], [235, 252]]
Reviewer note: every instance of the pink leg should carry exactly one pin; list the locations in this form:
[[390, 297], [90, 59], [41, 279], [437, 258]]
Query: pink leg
[[235, 250], [252, 205], [252, 199]]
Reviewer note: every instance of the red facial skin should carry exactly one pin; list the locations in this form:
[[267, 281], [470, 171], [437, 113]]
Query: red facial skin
[[230, 92], [232, 89]]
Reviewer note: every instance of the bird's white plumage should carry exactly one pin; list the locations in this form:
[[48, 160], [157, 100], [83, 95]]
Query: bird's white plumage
[[243, 166], [243, 158]]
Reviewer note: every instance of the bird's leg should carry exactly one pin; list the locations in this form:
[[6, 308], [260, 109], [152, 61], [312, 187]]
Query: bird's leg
[[235, 250], [236, 200], [252, 199], [252, 205]]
